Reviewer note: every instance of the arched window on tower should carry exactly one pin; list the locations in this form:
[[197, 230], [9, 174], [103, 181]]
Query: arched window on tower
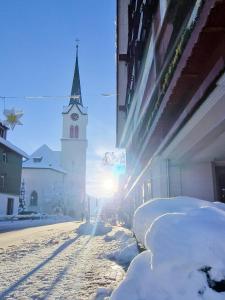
[[71, 131], [76, 132]]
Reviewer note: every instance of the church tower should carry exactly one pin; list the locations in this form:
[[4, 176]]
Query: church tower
[[74, 147]]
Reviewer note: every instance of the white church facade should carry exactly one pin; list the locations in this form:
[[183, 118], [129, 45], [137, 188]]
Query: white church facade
[[55, 181]]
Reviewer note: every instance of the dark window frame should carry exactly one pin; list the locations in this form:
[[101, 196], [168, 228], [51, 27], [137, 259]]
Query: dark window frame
[[3, 181], [4, 157]]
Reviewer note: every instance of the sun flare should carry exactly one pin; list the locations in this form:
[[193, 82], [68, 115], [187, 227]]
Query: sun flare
[[109, 185]]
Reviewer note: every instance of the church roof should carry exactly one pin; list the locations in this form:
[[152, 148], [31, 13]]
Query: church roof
[[44, 158], [82, 109], [76, 88]]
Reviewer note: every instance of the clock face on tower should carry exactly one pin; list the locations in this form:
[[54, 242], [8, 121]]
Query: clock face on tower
[[74, 116]]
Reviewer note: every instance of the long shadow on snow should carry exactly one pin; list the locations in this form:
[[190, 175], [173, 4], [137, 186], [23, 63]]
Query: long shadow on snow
[[38, 267], [61, 274]]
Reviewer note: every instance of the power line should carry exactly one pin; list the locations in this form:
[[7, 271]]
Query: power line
[[40, 97], [106, 95]]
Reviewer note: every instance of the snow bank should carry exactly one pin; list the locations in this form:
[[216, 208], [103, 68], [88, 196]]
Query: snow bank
[[138, 283], [124, 255], [127, 247], [118, 235], [186, 253], [195, 238], [97, 228], [102, 293], [219, 205], [148, 212]]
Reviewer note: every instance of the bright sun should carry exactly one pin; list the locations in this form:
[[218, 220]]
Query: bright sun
[[109, 185]]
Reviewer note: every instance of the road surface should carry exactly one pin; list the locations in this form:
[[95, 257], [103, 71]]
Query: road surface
[[55, 262]]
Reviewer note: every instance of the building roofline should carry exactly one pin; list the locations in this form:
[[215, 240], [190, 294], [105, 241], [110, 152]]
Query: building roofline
[[13, 148], [3, 125], [71, 106], [45, 168]]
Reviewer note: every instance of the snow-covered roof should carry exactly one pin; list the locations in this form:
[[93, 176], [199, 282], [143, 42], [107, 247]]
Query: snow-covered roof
[[44, 158], [13, 147]]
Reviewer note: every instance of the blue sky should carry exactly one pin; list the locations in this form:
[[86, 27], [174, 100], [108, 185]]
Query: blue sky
[[37, 56]]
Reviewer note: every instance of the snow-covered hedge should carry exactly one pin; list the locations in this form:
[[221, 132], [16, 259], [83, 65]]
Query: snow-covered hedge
[[185, 256]]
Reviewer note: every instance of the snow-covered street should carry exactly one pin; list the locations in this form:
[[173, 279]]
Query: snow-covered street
[[56, 262]]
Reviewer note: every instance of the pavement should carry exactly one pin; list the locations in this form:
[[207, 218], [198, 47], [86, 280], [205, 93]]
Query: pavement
[[56, 262], [12, 225]]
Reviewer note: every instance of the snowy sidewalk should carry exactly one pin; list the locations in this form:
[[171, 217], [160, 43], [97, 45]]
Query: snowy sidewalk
[[9, 225], [59, 264]]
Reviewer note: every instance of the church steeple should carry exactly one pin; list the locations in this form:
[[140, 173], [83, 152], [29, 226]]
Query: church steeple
[[76, 89]]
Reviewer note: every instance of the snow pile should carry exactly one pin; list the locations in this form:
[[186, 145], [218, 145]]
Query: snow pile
[[125, 254], [97, 228], [219, 205], [138, 283], [127, 247], [195, 238], [185, 257], [102, 293], [118, 235], [148, 212]]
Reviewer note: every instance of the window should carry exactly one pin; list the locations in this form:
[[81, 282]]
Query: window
[[34, 199], [2, 181], [10, 205], [74, 132], [37, 159], [4, 157], [220, 183], [2, 131], [71, 131]]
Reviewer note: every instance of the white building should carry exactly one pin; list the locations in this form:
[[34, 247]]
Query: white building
[[55, 180]]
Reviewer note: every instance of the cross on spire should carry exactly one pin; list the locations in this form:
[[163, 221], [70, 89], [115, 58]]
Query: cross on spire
[[76, 97], [77, 45], [77, 42]]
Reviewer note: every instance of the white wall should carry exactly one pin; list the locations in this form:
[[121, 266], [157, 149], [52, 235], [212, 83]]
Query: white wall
[[175, 187], [197, 181], [192, 179], [4, 201], [47, 183], [159, 177]]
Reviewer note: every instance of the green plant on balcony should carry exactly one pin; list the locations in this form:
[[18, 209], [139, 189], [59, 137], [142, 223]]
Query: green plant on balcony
[[167, 76], [178, 52]]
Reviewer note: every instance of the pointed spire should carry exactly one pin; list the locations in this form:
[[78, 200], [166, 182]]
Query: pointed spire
[[76, 89]]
